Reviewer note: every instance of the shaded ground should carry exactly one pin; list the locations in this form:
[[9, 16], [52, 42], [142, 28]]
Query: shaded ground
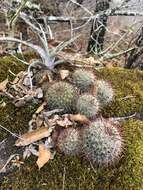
[[73, 173]]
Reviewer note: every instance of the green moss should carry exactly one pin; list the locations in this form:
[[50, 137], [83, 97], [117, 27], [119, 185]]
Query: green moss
[[125, 83], [15, 119], [8, 63], [126, 175]]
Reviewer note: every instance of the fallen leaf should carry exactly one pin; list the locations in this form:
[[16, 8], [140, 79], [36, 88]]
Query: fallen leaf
[[31, 149], [19, 76], [3, 85], [79, 118], [64, 74], [44, 156], [33, 136], [39, 122], [64, 123], [40, 108]]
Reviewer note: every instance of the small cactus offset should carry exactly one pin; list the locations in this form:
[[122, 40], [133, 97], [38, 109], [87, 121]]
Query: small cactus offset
[[104, 92], [87, 105], [61, 95], [102, 142], [69, 141], [83, 79]]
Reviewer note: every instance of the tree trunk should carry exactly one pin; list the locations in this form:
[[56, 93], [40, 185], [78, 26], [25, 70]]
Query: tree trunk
[[98, 29], [135, 57]]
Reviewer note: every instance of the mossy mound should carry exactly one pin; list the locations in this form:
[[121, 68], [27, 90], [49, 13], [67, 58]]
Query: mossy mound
[[73, 173]]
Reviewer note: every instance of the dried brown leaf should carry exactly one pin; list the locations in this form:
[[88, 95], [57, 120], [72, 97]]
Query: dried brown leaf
[[79, 118], [40, 108], [49, 77], [64, 74], [3, 85], [33, 136], [39, 122], [19, 76], [44, 156], [64, 123]]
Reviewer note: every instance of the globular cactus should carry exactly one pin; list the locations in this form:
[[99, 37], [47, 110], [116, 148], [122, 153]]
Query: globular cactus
[[104, 92], [61, 95], [83, 79], [69, 142], [102, 142], [87, 105]]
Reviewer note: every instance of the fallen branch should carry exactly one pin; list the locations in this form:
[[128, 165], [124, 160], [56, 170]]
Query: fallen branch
[[124, 117], [81, 19]]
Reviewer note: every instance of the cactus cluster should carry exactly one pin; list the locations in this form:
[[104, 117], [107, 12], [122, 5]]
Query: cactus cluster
[[61, 95], [87, 105], [85, 80], [101, 141]]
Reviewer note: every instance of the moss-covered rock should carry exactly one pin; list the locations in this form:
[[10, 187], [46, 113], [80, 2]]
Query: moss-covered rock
[[126, 175]]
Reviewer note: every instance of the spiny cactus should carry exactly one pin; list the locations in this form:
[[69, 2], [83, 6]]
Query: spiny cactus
[[104, 92], [83, 79], [87, 105], [102, 142], [69, 141], [61, 95]]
